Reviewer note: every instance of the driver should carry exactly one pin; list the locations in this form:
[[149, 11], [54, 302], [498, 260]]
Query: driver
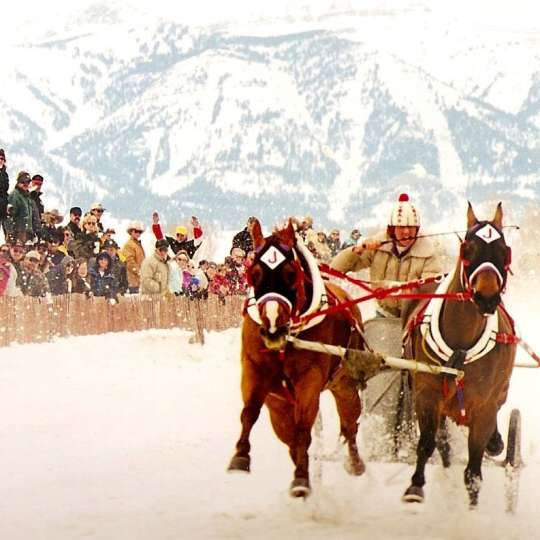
[[394, 256]]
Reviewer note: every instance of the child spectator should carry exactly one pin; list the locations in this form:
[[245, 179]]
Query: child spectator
[[102, 280], [81, 282], [61, 276]]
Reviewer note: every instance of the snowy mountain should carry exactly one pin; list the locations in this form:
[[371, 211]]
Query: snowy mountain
[[330, 115]]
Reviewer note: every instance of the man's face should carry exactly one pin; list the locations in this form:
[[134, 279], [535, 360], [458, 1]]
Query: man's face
[[52, 247], [162, 253], [75, 218], [36, 184], [181, 237], [111, 251], [97, 212], [17, 253], [24, 185], [405, 236]]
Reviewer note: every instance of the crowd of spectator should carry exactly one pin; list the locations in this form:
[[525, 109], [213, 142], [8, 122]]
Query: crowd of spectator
[[45, 254]]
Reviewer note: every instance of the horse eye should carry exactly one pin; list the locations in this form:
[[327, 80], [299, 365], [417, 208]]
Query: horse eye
[[256, 275], [289, 276], [469, 250]]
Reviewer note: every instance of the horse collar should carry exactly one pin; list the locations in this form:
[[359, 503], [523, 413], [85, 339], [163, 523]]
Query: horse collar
[[431, 331]]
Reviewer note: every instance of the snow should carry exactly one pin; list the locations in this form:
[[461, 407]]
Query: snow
[[129, 435]]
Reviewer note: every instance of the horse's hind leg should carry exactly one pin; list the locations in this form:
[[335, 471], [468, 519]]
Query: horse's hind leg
[[349, 408], [428, 420]]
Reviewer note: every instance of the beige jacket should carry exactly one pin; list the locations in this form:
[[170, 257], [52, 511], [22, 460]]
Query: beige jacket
[[133, 253], [154, 276], [423, 260]]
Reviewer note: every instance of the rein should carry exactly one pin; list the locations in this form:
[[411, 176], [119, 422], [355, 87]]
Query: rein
[[381, 292]]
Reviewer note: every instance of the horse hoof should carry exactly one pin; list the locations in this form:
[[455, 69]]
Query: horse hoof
[[355, 467], [300, 488], [413, 494], [239, 463], [495, 445]]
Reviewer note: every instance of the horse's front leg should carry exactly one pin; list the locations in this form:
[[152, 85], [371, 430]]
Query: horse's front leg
[[255, 388], [428, 421], [307, 393], [481, 429]]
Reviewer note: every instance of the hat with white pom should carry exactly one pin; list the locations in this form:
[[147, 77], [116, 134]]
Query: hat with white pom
[[404, 214]]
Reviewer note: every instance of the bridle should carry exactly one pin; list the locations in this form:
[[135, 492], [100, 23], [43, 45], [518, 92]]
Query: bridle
[[273, 255], [487, 233]]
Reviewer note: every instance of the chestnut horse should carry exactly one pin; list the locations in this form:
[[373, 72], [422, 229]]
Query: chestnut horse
[[474, 335], [286, 283]]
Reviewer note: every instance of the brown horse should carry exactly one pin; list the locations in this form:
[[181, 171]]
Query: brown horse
[[476, 336], [285, 284]]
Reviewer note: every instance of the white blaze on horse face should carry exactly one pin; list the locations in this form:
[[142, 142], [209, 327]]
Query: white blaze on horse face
[[488, 233], [272, 257], [272, 313]]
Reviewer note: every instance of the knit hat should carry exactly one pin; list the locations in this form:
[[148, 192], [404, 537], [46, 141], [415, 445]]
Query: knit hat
[[181, 230], [23, 177], [162, 244], [404, 214]]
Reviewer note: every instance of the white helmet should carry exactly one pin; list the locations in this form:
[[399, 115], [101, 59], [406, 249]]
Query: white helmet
[[404, 214], [136, 226]]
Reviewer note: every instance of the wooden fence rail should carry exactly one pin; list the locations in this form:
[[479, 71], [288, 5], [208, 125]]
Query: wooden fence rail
[[34, 320]]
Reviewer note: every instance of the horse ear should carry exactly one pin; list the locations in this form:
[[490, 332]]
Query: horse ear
[[497, 219], [290, 235], [257, 235], [471, 218]]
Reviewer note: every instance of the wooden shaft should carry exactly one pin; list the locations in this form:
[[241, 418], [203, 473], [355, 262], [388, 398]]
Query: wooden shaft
[[391, 361]]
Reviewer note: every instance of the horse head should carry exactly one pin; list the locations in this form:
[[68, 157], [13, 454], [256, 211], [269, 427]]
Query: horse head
[[277, 279], [485, 260]]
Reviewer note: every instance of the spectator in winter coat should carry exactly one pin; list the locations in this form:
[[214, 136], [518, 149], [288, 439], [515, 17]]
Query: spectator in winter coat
[[16, 255], [87, 245], [50, 228], [102, 280], [180, 242], [97, 211], [74, 225], [21, 210], [155, 271], [243, 238], [67, 237], [44, 263], [36, 193], [81, 280], [8, 276], [352, 240], [134, 255], [393, 256], [237, 271], [334, 242], [54, 255], [61, 276], [4, 188], [322, 250], [219, 284], [118, 267], [31, 279]]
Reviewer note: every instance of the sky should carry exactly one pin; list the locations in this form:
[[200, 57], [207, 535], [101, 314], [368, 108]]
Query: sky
[[481, 13]]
